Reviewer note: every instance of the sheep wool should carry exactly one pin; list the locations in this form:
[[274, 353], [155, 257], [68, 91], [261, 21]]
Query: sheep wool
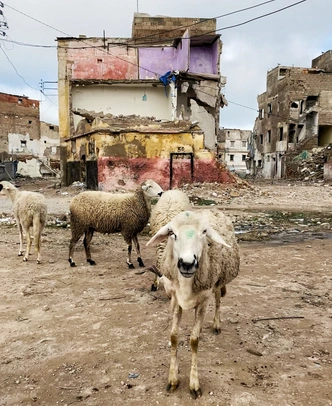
[[108, 213], [30, 211]]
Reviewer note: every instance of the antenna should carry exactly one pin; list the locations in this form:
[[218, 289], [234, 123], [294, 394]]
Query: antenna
[[137, 5]]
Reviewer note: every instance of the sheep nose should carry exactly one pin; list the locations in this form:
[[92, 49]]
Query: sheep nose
[[186, 267], [160, 193]]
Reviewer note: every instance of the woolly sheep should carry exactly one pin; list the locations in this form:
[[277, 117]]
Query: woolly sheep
[[201, 256], [108, 213], [171, 203], [30, 211]]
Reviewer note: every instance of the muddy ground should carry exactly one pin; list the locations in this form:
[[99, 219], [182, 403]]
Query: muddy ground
[[98, 336]]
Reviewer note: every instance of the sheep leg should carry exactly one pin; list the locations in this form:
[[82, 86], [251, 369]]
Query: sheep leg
[[130, 247], [218, 294], [86, 242], [29, 242], [173, 381], [73, 241], [37, 230], [194, 387], [20, 235], [137, 247]]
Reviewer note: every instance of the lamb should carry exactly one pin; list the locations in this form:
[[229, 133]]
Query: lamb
[[171, 203], [108, 213], [201, 256], [30, 211]]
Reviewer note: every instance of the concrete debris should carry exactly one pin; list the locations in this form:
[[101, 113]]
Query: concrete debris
[[311, 166]]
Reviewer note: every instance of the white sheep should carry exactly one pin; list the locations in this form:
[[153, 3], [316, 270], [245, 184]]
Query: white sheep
[[201, 256], [171, 203], [30, 211], [108, 213]]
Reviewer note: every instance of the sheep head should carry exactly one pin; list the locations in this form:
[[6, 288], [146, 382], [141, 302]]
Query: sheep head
[[151, 188], [188, 233]]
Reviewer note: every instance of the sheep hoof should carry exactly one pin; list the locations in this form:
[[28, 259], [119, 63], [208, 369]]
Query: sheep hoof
[[20, 254], [140, 262], [153, 288], [38, 261], [216, 330], [91, 261], [195, 393], [130, 265], [25, 259], [172, 387]]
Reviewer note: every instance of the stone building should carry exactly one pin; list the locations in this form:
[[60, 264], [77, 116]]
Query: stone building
[[145, 106], [233, 148], [32, 147], [295, 114]]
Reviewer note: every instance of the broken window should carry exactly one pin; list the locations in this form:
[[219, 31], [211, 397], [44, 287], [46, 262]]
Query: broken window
[[269, 136], [294, 105], [51, 127], [269, 108], [231, 157], [281, 133], [282, 72], [261, 114], [243, 157], [292, 133], [23, 143], [259, 163], [261, 139], [92, 147], [311, 101]]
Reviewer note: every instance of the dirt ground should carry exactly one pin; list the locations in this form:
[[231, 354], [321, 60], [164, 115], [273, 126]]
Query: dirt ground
[[97, 335]]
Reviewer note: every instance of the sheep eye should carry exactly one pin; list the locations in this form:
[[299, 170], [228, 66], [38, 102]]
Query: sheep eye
[[171, 234], [204, 231]]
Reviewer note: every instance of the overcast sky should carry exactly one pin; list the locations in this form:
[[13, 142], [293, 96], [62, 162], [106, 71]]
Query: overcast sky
[[291, 37]]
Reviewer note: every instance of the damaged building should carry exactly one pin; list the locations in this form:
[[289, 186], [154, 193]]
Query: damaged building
[[295, 115], [233, 148], [28, 147], [145, 106]]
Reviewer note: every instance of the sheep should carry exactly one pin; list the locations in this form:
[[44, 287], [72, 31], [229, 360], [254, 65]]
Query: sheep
[[168, 206], [30, 211], [108, 213], [201, 256]]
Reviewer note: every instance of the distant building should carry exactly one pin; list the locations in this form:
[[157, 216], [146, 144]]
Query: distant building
[[34, 146], [233, 148], [295, 114], [145, 106]]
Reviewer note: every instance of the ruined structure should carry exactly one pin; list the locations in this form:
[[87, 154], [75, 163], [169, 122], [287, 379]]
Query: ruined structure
[[233, 148], [26, 145], [295, 114], [146, 106]]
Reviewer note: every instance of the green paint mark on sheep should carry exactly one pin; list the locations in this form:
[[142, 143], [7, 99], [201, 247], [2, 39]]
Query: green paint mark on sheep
[[190, 233]]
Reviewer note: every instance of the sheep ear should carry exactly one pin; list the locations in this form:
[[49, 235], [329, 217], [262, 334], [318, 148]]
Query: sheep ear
[[214, 236], [1, 187], [160, 236]]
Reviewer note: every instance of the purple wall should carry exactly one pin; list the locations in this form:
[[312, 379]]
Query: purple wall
[[155, 62]]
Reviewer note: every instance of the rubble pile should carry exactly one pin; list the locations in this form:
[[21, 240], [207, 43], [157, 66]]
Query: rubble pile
[[311, 165]]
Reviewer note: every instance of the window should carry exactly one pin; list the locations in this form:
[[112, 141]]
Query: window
[[261, 114], [232, 143], [269, 136], [267, 158], [19, 101], [51, 127], [23, 143], [269, 108], [73, 146], [244, 144], [281, 133], [30, 122], [243, 157], [261, 139], [291, 133], [259, 163], [231, 157]]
